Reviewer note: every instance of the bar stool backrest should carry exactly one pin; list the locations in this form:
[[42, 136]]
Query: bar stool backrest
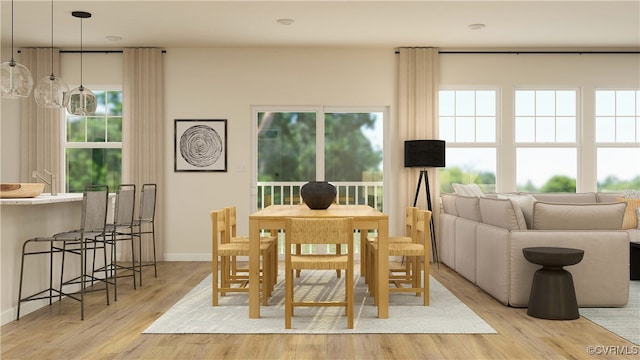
[[125, 204], [148, 202], [94, 208]]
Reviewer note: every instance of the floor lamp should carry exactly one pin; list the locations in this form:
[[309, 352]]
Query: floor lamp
[[425, 154]]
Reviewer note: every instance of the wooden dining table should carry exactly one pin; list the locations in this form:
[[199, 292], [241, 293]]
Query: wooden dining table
[[365, 218]]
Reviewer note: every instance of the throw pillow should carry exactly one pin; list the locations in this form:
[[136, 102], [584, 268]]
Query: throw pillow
[[525, 203], [630, 217], [462, 189]]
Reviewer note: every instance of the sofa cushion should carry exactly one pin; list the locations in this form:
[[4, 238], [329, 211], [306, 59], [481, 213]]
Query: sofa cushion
[[449, 203], [502, 213], [558, 216], [567, 198], [604, 197], [468, 207], [525, 203]]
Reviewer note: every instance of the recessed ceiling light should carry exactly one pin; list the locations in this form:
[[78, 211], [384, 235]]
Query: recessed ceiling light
[[113, 38], [285, 21], [476, 26]]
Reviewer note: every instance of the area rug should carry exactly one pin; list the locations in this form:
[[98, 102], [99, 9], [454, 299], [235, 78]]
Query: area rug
[[624, 321], [193, 314]]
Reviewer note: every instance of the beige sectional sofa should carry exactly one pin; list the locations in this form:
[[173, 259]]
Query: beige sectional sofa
[[482, 239]]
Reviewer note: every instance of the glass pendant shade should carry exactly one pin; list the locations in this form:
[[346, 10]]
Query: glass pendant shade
[[17, 81], [50, 92], [81, 101]]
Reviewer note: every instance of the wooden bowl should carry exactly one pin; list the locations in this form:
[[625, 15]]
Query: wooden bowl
[[20, 190]]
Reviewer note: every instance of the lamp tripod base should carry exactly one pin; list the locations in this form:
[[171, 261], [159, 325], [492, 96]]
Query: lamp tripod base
[[434, 245]]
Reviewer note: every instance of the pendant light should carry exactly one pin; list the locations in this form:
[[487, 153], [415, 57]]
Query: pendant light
[[17, 81], [50, 91], [81, 101]]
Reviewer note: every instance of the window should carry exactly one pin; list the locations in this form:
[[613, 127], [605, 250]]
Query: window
[[93, 144], [546, 140], [617, 139], [468, 123], [289, 153]]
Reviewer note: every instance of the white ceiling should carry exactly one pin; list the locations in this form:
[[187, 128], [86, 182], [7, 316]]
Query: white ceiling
[[584, 25]]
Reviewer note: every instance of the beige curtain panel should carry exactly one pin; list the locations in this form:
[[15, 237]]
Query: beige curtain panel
[[418, 85], [39, 127], [143, 132]]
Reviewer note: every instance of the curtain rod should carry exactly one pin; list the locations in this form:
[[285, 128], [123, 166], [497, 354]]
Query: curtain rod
[[535, 52], [94, 51]]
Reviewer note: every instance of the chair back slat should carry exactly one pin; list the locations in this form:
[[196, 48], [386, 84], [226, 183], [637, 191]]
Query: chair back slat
[[319, 231]]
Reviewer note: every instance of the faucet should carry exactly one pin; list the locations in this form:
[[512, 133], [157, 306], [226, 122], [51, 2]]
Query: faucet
[[51, 182]]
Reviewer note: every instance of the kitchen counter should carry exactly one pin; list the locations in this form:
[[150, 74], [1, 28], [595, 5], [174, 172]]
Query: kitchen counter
[[44, 198]]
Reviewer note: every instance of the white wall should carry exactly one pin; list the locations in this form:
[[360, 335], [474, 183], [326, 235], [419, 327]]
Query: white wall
[[224, 84]]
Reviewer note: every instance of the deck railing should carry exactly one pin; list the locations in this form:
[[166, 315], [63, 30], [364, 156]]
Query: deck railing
[[348, 193]]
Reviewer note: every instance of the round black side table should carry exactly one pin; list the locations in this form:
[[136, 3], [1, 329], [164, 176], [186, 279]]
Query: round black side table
[[553, 296], [634, 260]]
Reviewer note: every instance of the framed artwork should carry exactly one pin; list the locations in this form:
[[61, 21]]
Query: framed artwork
[[200, 145]]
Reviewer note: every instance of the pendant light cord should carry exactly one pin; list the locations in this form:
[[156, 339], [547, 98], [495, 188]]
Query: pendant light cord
[[52, 77], [13, 61], [81, 87]]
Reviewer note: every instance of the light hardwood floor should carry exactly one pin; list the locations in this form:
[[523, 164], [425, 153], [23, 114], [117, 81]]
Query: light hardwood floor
[[114, 331]]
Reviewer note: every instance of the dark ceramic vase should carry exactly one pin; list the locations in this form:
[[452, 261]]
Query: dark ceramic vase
[[318, 195]]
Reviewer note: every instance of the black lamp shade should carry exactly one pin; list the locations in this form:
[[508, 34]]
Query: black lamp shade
[[424, 153]]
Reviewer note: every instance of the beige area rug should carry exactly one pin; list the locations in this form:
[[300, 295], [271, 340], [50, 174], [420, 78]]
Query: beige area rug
[[194, 314]]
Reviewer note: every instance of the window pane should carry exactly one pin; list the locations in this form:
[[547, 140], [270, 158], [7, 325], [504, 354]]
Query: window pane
[[91, 167], [469, 165], [486, 131], [546, 169], [101, 102], [286, 146], [566, 129], [447, 129], [626, 129], [75, 128], [465, 129], [565, 103], [114, 103], [545, 103], [615, 171], [605, 103], [465, 103], [96, 129], [486, 103], [625, 103], [545, 129], [525, 129], [446, 103], [605, 129], [525, 103], [352, 146], [114, 129]]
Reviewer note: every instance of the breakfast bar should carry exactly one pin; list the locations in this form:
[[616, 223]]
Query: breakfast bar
[[24, 218]]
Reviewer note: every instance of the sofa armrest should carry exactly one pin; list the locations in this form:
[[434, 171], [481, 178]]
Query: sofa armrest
[[600, 279]]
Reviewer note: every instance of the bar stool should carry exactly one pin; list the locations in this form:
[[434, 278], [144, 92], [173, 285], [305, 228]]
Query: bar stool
[[145, 225], [75, 242]]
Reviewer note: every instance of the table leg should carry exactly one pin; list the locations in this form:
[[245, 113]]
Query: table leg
[[254, 269], [382, 288]]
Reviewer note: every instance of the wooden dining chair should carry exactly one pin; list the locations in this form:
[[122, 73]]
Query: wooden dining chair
[[415, 253], [222, 252], [397, 272], [271, 238], [316, 231]]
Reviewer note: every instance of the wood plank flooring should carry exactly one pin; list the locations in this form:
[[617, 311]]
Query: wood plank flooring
[[114, 331]]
